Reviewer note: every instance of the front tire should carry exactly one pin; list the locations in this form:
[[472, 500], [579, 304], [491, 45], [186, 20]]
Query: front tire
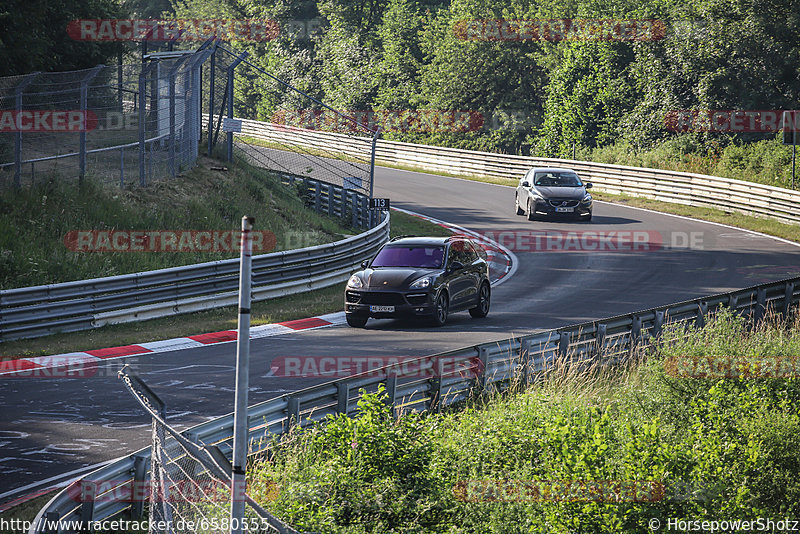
[[484, 301], [441, 309], [357, 321], [531, 212]]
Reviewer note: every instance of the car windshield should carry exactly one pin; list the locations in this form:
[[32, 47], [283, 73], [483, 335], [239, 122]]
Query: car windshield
[[423, 257], [557, 179]]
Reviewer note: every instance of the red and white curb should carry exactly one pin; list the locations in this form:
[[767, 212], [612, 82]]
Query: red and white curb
[[502, 262], [74, 360]]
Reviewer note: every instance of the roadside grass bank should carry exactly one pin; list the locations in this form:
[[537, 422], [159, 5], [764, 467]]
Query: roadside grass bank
[[312, 303], [213, 196], [584, 450]]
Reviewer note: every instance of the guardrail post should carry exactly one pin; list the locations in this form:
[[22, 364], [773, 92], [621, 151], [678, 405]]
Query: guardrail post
[[761, 304], [702, 311], [435, 392], [636, 330], [330, 200], [600, 339], [525, 361], [484, 359], [563, 344], [293, 412], [733, 303], [658, 323], [342, 397], [88, 496], [787, 299], [317, 203], [353, 208], [391, 392], [137, 486]]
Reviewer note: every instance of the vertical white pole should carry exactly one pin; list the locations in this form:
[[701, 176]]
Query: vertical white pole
[[240, 426]]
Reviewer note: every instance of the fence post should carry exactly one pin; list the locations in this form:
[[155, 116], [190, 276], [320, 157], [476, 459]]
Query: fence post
[[241, 427], [84, 104], [231, 68], [372, 161], [211, 78], [143, 117], [18, 135]]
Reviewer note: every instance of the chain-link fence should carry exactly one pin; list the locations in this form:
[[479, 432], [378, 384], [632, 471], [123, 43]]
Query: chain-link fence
[[281, 128], [189, 487], [125, 124]]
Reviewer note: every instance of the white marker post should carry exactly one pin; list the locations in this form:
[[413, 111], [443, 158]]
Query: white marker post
[[240, 426]]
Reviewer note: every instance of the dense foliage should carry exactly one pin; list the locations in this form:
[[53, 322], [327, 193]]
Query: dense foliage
[[536, 96], [723, 448]]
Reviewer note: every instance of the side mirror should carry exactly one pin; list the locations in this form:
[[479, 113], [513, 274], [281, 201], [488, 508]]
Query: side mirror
[[588, 185], [364, 264], [456, 266], [526, 184]]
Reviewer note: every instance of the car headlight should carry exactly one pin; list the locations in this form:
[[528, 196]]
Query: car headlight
[[587, 197], [355, 282], [421, 283]]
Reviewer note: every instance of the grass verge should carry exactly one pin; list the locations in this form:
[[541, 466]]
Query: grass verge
[[320, 301], [213, 196], [585, 450]]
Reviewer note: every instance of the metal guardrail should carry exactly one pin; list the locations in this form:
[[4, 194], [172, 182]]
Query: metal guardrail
[[80, 305], [669, 186], [493, 366]]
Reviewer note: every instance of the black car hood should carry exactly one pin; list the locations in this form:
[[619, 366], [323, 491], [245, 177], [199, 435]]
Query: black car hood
[[392, 277], [561, 192]]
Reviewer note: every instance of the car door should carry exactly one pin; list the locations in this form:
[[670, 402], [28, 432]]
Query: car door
[[475, 272], [458, 280]]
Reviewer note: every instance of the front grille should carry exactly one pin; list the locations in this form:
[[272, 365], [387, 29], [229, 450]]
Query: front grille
[[382, 298], [563, 203]]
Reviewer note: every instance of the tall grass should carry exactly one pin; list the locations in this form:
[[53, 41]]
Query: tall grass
[[35, 221], [718, 448]]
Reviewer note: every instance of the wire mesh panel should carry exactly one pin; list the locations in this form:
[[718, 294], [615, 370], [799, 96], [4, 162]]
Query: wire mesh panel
[[121, 124], [190, 483], [286, 130]]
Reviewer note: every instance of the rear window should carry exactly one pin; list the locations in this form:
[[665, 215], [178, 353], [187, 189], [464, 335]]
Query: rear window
[[423, 257]]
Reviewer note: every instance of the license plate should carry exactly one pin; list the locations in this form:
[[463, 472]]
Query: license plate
[[564, 210], [381, 309]]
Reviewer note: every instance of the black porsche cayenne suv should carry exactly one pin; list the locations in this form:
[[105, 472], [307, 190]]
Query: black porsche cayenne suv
[[428, 277]]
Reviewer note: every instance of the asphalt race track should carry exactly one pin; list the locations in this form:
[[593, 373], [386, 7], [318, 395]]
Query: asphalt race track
[[50, 427]]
